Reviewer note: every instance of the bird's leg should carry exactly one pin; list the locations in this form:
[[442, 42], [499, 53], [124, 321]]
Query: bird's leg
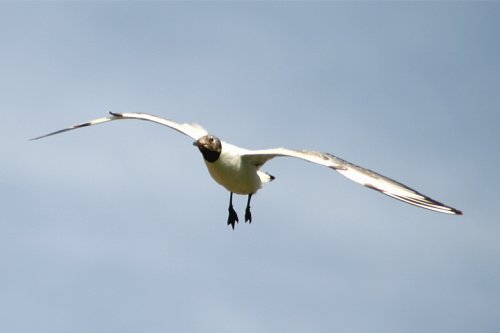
[[233, 217], [248, 214]]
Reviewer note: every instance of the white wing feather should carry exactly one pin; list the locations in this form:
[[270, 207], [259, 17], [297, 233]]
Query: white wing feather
[[195, 131], [355, 173]]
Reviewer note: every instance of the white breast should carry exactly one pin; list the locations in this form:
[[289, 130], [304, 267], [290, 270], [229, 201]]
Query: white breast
[[230, 172]]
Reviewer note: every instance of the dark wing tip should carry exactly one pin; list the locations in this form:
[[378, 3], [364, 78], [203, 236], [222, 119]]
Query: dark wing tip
[[56, 132], [423, 201], [88, 123]]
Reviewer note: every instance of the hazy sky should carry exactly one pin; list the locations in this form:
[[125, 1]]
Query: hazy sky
[[118, 228]]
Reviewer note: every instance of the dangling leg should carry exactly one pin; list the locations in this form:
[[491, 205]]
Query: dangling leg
[[233, 217], [248, 214]]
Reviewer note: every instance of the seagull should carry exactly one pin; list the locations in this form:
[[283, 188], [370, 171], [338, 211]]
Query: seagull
[[238, 169]]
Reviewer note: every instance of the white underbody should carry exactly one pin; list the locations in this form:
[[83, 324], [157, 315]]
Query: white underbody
[[234, 174]]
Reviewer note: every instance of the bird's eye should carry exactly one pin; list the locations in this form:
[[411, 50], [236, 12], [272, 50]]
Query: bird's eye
[[211, 139]]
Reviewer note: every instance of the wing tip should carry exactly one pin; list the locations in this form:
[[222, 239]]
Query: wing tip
[[424, 202], [50, 134], [114, 116], [37, 138]]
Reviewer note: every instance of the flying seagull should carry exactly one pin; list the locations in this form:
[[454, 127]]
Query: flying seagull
[[238, 169]]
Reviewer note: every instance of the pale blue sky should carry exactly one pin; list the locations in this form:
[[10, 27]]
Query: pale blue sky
[[118, 228]]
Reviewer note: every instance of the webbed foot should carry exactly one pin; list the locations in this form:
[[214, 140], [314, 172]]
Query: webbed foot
[[232, 218], [248, 215]]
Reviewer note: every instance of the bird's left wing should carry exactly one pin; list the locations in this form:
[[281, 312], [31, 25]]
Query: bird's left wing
[[195, 131], [355, 173]]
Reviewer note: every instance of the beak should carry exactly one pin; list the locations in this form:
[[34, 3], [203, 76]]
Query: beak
[[196, 143]]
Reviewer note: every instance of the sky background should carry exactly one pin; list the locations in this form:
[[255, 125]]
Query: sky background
[[118, 227]]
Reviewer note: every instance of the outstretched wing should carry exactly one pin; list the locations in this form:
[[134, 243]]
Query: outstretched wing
[[355, 173], [195, 131]]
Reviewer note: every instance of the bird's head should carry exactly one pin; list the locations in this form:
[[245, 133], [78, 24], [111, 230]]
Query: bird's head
[[210, 147]]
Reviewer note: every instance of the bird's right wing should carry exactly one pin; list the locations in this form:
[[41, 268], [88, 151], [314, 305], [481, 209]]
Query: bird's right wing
[[195, 131]]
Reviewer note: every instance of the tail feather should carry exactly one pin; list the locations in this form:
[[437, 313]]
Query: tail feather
[[265, 177]]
